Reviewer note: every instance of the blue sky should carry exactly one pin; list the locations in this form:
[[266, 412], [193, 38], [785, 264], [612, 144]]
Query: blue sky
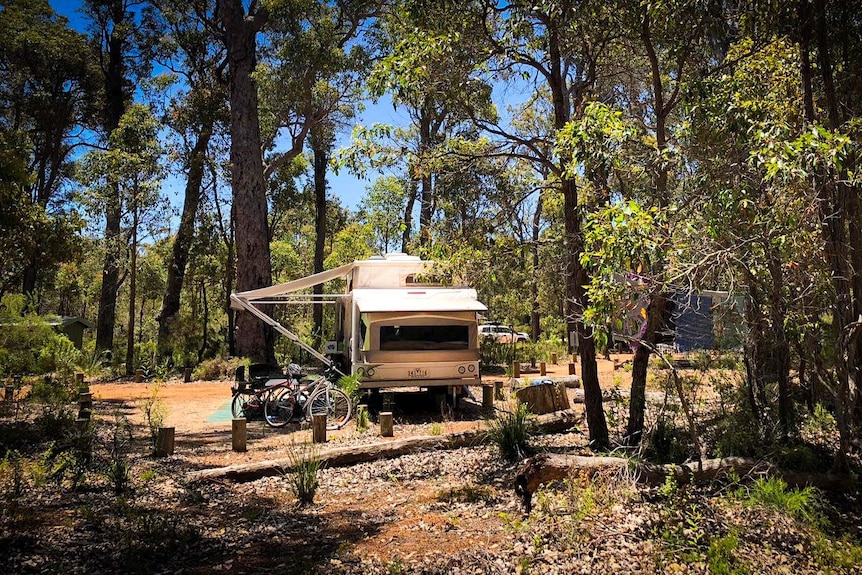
[[344, 186]]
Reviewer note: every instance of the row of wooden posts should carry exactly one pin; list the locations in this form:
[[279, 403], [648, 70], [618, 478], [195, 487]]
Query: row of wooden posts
[[164, 445], [239, 434], [543, 369]]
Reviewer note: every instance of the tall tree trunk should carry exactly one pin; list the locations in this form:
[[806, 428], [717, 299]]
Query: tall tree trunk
[[253, 263], [115, 107], [657, 302], [576, 281], [577, 277], [426, 191], [182, 243], [408, 216], [655, 312], [848, 199], [133, 285], [780, 345], [833, 201], [205, 321], [320, 159], [535, 326]]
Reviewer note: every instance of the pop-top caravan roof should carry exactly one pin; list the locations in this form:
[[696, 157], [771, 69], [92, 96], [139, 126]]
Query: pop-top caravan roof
[[417, 300], [389, 283]]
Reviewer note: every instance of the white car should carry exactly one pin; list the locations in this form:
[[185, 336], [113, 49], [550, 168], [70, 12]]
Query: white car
[[502, 333]]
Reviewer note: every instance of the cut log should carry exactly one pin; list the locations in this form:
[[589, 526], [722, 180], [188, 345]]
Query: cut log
[[548, 467], [350, 455], [544, 398], [164, 442]]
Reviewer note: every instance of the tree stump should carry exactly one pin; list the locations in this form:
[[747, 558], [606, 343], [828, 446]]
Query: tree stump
[[139, 375], [318, 428], [238, 434], [487, 397], [544, 398], [386, 424], [164, 442]]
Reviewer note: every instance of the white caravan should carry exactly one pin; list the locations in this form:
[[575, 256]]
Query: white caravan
[[394, 327]]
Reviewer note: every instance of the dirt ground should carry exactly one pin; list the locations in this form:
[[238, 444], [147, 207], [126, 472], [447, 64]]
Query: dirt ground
[[190, 406], [436, 512]]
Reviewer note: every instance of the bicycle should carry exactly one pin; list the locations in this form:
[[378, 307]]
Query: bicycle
[[319, 397], [249, 397]]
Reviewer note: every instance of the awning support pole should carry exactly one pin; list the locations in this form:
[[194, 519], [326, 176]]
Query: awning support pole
[[282, 330]]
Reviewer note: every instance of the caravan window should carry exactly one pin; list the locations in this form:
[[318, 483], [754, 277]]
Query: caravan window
[[423, 337]]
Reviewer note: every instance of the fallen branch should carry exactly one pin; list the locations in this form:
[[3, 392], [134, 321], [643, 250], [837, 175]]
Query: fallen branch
[[547, 467], [351, 455]]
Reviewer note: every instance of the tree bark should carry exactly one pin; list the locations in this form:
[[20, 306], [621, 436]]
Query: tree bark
[[426, 191], [133, 285], [320, 159], [182, 243], [253, 263], [655, 313], [408, 217], [116, 97], [535, 325]]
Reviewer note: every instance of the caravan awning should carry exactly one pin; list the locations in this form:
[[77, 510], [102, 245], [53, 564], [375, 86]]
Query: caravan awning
[[295, 285], [417, 300]]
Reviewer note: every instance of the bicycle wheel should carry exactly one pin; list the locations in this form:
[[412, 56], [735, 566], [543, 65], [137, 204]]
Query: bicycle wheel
[[243, 405], [278, 407], [332, 402]]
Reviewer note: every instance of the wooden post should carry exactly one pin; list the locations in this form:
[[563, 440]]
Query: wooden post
[[487, 397], [532, 362], [79, 379], [572, 368], [187, 375], [543, 368], [387, 401], [164, 442], [516, 369], [616, 364], [498, 390], [85, 405], [238, 434], [139, 375], [386, 425], [9, 395], [554, 358], [318, 428]]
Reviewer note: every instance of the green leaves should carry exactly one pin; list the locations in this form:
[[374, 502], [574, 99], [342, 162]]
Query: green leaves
[[622, 238]]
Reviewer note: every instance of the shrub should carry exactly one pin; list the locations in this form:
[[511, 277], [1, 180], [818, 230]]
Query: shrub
[[304, 464], [667, 442], [218, 368], [155, 411], [117, 466], [801, 504], [510, 431], [349, 384]]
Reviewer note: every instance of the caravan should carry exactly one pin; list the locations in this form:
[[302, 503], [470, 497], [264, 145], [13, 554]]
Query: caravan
[[394, 325]]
